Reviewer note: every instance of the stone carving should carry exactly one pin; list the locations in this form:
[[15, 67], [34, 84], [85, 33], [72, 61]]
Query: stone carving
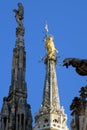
[[79, 64], [78, 108], [75, 105], [79, 103], [20, 31], [19, 15]]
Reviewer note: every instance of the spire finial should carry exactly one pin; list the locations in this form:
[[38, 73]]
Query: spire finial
[[19, 14], [46, 28], [20, 30]]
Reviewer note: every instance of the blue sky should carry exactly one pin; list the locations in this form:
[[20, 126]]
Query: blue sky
[[67, 20]]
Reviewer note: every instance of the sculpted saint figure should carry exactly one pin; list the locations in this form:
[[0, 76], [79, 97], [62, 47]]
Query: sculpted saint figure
[[49, 45], [19, 14]]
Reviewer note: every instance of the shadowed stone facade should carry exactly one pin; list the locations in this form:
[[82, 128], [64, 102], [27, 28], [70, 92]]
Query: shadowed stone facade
[[16, 112], [79, 111]]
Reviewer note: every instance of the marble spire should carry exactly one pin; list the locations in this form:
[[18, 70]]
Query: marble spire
[[51, 115]]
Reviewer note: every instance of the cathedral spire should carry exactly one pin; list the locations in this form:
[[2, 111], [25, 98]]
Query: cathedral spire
[[51, 115], [20, 30], [19, 54], [16, 112], [50, 96]]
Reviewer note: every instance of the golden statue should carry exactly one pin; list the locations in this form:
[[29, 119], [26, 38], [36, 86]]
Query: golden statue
[[49, 44]]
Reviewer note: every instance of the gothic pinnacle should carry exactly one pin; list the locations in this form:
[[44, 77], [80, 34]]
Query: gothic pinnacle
[[16, 112], [51, 115]]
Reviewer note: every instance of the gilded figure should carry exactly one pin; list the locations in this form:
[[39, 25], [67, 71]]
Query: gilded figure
[[49, 45]]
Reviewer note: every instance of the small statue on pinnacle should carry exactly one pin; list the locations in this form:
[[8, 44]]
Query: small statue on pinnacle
[[49, 45], [19, 15]]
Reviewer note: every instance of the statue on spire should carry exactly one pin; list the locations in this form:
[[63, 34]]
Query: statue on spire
[[19, 15], [49, 44]]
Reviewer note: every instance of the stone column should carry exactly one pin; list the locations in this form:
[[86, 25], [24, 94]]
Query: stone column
[[7, 124], [20, 122], [24, 122], [16, 122], [2, 124]]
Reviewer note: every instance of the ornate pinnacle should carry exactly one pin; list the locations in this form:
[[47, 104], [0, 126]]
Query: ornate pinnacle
[[19, 15], [49, 45]]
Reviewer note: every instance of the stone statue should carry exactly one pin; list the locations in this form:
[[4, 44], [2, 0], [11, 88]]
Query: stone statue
[[19, 14], [79, 64], [75, 106], [79, 103]]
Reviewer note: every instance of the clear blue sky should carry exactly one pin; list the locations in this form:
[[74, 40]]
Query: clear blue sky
[[67, 21]]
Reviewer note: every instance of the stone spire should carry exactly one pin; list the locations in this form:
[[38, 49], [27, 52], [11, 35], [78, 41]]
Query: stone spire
[[51, 116], [19, 55], [16, 113], [50, 95]]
